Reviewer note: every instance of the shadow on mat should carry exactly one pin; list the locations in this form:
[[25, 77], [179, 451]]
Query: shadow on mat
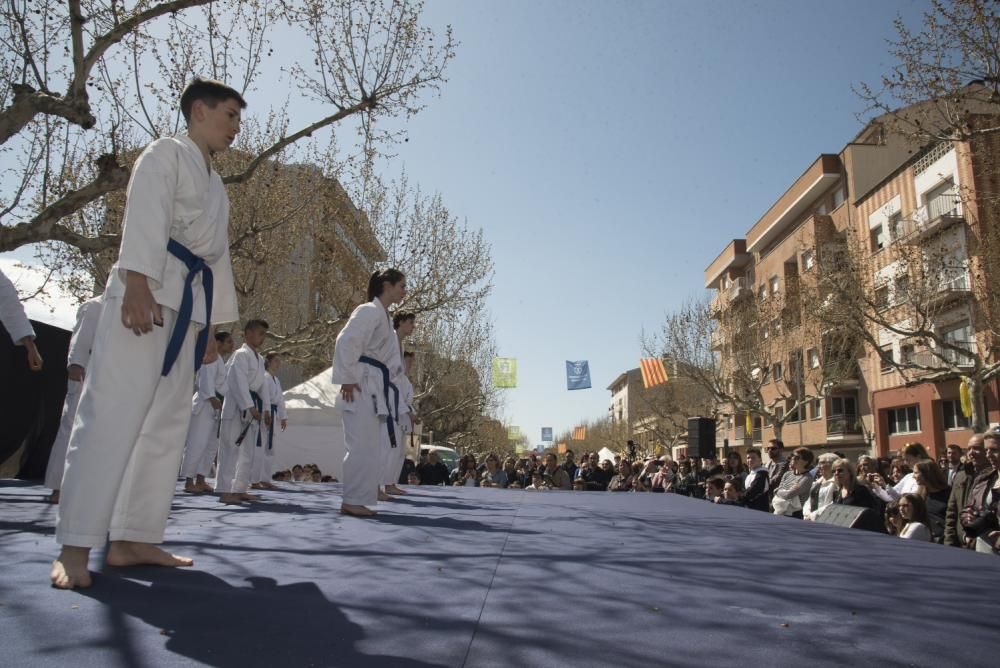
[[206, 619], [446, 523]]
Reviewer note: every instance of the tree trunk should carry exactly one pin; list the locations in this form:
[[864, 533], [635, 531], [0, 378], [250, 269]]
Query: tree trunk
[[978, 418], [776, 427]]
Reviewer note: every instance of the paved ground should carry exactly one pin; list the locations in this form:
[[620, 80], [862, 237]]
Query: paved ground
[[488, 577]]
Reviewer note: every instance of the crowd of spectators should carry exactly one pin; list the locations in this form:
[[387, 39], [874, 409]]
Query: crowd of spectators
[[952, 501], [303, 473]]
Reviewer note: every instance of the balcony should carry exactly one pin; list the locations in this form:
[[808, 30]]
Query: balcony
[[843, 423], [937, 215], [945, 358], [733, 258], [741, 434], [716, 340], [737, 290], [953, 287]]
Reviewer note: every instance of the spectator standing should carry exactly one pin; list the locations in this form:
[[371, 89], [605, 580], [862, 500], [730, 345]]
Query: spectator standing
[[432, 472], [932, 488], [778, 465], [555, 476], [953, 456], [622, 481], [757, 485], [975, 465], [913, 512], [493, 476], [821, 493], [849, 492], [569, 465]]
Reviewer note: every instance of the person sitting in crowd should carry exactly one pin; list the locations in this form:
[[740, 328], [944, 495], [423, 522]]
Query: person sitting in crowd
[[932, 487], [867, 469], [902, 482], [598, 474], [649, 470], [413, 478], [663, 481], [732, 492], [733, 467], [297, 473], [777, 465], [622, 481], [756, 494], [686, 481], [465, 474], [409, 468], [569, 465], [893, 520], [493, 475], [432, 471], [510, 470], [554, 475], [793, 490], [821, 493], [913, 513], [537, 481], [848, 491], [715, 489]]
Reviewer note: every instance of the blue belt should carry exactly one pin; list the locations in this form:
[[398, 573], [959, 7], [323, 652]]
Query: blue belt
[[386, 386], [270, 434], [195, 266]]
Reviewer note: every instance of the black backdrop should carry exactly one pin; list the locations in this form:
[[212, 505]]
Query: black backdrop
[[32, 402]]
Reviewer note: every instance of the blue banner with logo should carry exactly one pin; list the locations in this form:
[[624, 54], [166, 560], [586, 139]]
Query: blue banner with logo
[[577, 375], [546, 433]]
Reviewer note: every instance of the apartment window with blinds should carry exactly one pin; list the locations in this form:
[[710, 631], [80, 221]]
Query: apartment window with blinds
[[808, 260], [838, 197], [904, 420], [878, 239], [774, 285], [817, 409]]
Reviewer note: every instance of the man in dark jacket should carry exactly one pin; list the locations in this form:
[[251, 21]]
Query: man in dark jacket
[[975, 465], [433, 472], [757, 486]]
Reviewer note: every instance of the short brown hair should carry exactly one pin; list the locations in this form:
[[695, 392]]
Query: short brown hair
[[209, 91], [805, 454]]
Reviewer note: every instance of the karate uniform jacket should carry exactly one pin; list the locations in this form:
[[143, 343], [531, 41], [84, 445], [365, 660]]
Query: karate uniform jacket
[[368, 332], [211, 379], [245, 374], [277, 396], [12, 313], [173, 195], [82, 341]]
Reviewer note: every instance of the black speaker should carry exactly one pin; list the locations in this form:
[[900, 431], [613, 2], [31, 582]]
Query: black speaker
[[701, 437], [850, 516]]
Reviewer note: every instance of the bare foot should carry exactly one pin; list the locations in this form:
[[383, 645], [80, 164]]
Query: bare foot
[[249, 497], [356, 511], [382, 496], [53, 498], [69, 570], [203, 487], [392, 489], [191, 487], [129, 553], [267, 485], [231, 498], [257, 485]]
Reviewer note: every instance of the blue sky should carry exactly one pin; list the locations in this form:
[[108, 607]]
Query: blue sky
[[610, 150]]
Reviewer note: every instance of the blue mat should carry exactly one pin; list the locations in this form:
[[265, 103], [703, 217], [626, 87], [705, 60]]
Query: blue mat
[[489, 577]]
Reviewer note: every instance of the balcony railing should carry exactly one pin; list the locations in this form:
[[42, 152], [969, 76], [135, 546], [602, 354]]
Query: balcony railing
[[938, 214], [843, 423], [930, 359], [737, 289]]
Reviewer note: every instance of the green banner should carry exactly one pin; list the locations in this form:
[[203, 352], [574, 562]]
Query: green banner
[[504, 372], [513, 433]]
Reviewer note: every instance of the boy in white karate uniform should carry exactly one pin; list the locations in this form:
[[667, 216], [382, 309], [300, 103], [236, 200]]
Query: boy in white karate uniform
[[366, 362], [263, 466], [80, 345], [127, 440], [16, 322], [393, 456], [206, 412], [247, 404]]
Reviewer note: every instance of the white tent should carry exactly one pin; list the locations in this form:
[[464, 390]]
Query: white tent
[[605, 453], [315, 433]]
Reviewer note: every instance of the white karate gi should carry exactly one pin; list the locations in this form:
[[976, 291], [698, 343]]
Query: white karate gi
[[202, 438], [244, 374], [127, 440], [12, 313], [262, 467], [368, 332], [80, 345], [392, 458]]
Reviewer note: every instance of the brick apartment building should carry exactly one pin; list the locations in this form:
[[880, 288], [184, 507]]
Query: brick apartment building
[[880, 194]]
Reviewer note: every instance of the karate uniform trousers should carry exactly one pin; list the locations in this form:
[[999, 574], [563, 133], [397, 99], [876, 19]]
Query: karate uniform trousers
[[57, 456], [392, 458], [235, 461], [202, 439], [120, 478]]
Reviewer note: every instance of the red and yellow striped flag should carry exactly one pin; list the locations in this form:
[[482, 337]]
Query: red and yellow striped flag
[[653, 372], [580, 434]]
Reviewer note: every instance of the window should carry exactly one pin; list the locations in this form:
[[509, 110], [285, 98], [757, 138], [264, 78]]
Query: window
[[779, 413], [904, 420], [906, 354], [808, 260], [817, 409], [896, 226], [901, 290], [839, 197], [813, 354], [885, 359], [774, 285], [822, 209], [793, 413], [762, 292], [953, 418], [776, 371], [960, 335], [843, 406], [882, 297], [776, 327], [878, 239]]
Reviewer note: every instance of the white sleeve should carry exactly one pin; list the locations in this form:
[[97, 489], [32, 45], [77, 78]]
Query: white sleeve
[[350, 345], [205, 383], [149, 211], [280, 400], [82, 341], [12, 313]]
